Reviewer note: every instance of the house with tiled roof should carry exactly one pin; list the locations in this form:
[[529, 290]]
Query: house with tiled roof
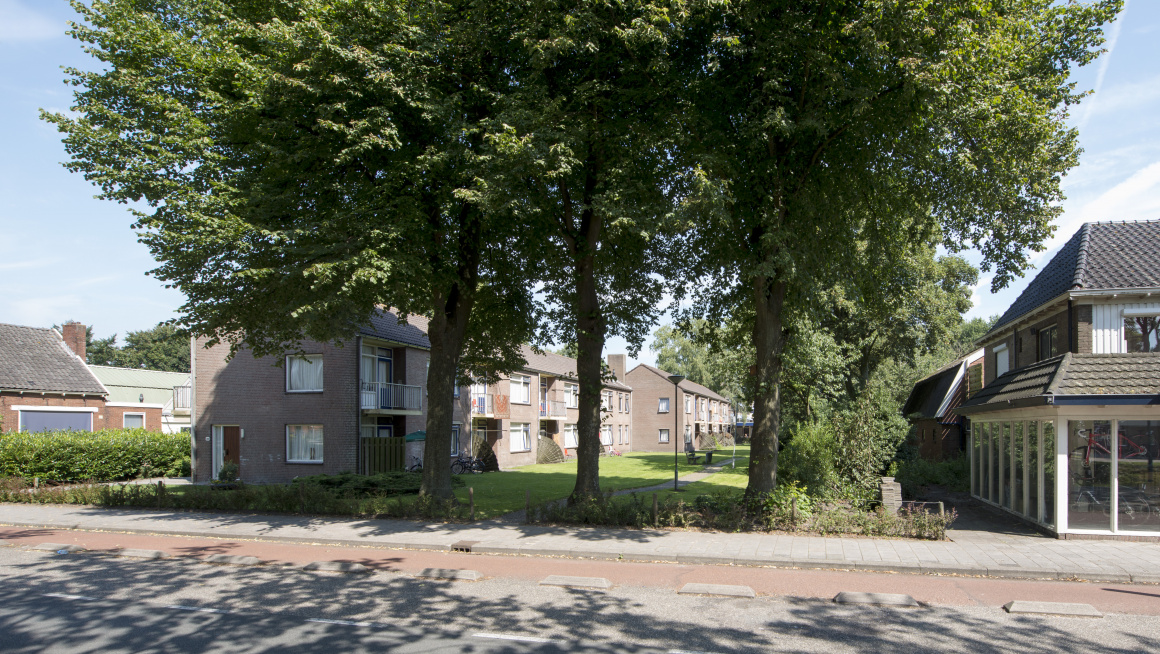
[[1065, 431], [688, 411], [349, 407], [941, 433], [157, 400], [45, 383]]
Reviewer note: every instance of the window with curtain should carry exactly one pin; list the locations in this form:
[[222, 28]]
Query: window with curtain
[[1002, 363], [663, 435], [304, 373], [304, 443], [606, 435], [570, 440], [663, 405], [521, 389], [134, 420], [521, 437], [572, 395], [688, 404]]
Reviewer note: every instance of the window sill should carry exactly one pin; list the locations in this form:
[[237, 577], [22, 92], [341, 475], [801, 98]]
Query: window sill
[[520, 451], [300, 392], [298, 461]]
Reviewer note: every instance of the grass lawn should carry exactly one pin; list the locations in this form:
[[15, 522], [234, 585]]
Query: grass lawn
[[729, 478], [497, 493]]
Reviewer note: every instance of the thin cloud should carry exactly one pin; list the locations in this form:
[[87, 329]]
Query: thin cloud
[[1103, 70], [23, 265], [19, 24]]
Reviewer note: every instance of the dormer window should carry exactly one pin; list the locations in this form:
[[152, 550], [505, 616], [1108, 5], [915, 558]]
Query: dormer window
[[1048, 342], [1002, 360], [1140, 334]]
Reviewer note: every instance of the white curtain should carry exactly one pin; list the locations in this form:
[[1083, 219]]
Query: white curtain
[[217, 451], [304, 442], [570, 436], [520, 441], [306, 373], [608, 435]]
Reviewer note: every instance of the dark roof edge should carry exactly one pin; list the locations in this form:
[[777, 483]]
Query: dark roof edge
[[1081, 256]]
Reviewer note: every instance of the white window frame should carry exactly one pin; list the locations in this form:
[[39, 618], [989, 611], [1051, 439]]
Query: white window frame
[[322, 444], [127, 414], [18, 408], [571, 431], [520, 435], [606, 432], [455, 439], [572, 395], [524, 382], [1005, 353], [688, 404], [662, 435], [662, 405], [606, 401], [289, 370], [627, 404]]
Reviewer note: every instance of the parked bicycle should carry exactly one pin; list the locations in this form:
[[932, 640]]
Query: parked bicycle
[[416, 464], [466, 464]]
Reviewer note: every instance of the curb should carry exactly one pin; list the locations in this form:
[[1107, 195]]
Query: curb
[[483, 547]]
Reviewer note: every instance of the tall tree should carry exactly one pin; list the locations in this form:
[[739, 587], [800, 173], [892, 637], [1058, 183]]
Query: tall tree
[[590, 125], [307, 163], [832, 128]]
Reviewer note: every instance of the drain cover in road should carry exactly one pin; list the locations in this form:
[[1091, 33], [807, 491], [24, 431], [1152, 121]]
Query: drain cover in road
[[876, 599], [576, 582], [717, 589], [1022, 607]]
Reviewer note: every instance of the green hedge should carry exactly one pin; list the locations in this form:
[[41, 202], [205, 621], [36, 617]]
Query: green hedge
[[109, 455]]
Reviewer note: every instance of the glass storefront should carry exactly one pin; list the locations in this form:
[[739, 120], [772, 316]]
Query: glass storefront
[[1139, 500], [1049, 458], [1005, 465], [1032, 465], [1089, 474], [1018, 449], [1013, 466]]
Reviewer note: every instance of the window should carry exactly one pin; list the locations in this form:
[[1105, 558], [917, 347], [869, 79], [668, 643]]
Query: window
[[663, 405], [626, 404], [304, 374], [620, 434], [1141, 334], [663, 435], [606, 435], [688, 434], [606, 401], [521, 437], [133, 421], [620, 402], [1002, 364], [521, 389], [688, 404], [570, 439], [572, 395], [304, 443], [32, 419], [1048, 346], [454, 440]]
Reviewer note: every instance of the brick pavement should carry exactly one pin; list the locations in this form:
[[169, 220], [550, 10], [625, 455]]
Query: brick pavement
[[970, 552]]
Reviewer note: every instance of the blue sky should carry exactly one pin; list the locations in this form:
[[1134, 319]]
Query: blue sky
[[65, 255]]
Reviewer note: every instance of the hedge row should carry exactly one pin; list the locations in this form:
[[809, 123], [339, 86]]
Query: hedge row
[[108, 455]]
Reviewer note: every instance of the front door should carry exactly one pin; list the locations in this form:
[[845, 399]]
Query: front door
[[232, 445]]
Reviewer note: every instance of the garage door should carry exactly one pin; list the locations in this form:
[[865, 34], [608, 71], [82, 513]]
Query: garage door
[[53, 420]]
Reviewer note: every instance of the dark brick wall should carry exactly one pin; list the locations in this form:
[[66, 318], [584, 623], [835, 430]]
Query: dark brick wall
[[647, 421], [251, 393], [11, 419], [1082, 324]]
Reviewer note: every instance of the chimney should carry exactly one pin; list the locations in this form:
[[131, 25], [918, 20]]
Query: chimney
[[617, 363], [74, 338]]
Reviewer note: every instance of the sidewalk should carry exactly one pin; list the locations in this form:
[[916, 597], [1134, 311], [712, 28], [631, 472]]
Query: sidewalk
[[1009, 555]]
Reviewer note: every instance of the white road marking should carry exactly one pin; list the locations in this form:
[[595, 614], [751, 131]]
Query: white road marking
[[195, 608], [73, 597], [342, 622], [523, 639]]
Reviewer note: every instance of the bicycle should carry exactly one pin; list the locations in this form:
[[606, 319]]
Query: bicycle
[[416, 465], [465, 464]]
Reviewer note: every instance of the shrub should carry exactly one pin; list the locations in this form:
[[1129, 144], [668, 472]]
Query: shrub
[[348, 484], [228, 472], [952, 474], [484, 453], [808, 460], [108, 455]]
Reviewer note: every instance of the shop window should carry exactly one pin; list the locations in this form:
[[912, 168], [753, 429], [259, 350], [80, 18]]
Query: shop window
[[1089, 474]]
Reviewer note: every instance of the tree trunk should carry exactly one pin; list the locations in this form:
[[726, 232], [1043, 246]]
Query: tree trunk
[[769, 342], [590, 349], [446, 333]]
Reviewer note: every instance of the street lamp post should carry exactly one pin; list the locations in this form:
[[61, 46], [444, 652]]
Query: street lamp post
[[676, 379]]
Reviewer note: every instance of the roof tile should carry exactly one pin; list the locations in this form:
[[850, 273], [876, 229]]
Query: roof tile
[[37, 359]]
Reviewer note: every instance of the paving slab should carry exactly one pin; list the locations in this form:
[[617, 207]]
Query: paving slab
[[58, 547], [130, 553], [450, 573], [1066, 609], [876, 599], [724, 590], [335, 566], [231, 559], [576, 582]]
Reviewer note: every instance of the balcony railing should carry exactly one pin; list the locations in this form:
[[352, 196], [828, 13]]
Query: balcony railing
[[398, 397], [553, 409], [482, 404], [182, 396]]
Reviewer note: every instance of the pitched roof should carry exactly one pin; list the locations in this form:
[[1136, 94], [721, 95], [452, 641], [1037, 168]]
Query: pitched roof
[[1134, 373], [559, 366], [929, 394], [386, 325], [1099, 256], [129, 384], [37, 359], [685, 385]]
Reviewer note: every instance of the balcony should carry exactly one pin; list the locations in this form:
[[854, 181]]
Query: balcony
[[482, 404], [392, 399], [182, 396], [553, 409]]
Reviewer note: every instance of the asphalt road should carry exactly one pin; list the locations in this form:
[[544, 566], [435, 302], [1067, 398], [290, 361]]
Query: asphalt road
[[92, 602]]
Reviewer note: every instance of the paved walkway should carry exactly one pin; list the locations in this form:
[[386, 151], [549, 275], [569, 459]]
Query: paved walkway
[[1011, 555]]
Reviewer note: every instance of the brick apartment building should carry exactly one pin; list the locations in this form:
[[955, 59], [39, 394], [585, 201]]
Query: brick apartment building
[[336, 409], [693, 413]]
